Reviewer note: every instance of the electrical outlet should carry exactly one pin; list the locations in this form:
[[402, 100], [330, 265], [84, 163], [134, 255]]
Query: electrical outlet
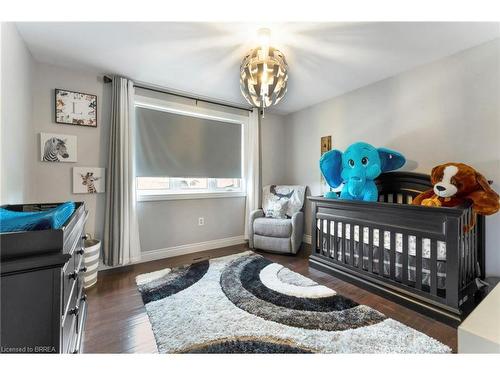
[[201, 221]]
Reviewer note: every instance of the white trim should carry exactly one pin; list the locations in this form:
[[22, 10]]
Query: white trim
[[181, 196], [147, 256], [307, 238]]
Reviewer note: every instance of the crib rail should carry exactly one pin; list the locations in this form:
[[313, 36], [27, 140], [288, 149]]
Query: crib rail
[[420, 253], [336, 241]]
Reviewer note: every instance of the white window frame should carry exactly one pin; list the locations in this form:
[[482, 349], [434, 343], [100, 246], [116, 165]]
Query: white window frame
[[206, 113]]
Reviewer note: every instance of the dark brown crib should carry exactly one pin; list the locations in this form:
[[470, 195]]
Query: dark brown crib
[[419, 256]]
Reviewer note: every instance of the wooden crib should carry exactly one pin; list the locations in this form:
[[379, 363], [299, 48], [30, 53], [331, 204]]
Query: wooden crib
[[419, 256]]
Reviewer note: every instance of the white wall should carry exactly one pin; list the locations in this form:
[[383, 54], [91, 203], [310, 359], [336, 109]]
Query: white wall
[[444, 111], [16, 115]]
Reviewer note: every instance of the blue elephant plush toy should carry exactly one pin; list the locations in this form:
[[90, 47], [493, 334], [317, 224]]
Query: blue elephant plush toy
[[357, 168]]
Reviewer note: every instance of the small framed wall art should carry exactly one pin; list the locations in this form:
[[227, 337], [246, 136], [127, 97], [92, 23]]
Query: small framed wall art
[[58, 148], [75, 108], [326, 145], [88, 180]]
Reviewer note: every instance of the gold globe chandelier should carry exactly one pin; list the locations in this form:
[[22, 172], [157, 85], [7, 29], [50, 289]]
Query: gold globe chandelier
[[264, 74]]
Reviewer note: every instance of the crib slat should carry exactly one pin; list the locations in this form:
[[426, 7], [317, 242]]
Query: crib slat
[[466, 250], [321, 244], [465, 259], [344, 241], [361, 246], [328, 238], [370, 249], [381, 250], [392, 257], [460, 244], [433, 267], [339, 240], [469, 249], [335, 247], [474, 249], [418, 262], [404, 264], [351, 244]]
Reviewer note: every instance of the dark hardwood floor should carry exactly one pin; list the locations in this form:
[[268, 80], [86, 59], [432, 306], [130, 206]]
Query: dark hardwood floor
[[117, 321]]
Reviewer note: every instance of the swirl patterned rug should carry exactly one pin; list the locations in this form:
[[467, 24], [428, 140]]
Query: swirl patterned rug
[[244, 303]]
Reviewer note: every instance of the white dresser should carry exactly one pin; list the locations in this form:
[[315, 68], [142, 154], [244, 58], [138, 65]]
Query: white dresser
[[480, 332]]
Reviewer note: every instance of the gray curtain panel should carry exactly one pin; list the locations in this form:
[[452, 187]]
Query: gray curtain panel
[[121, 234]]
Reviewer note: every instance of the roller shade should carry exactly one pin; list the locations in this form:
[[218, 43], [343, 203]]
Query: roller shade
[[174, 145]]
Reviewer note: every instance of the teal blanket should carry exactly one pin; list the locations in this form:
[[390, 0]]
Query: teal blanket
[[54, 218]]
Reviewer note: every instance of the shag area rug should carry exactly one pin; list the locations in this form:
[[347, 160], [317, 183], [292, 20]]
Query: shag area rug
[[245, 303]]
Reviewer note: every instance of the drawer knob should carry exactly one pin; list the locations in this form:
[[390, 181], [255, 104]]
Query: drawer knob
[[73, 275], [74, 310], [84, 298], [81, 251], [83, 269]]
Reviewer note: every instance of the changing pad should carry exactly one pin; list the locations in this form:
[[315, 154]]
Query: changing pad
[[54, 218]]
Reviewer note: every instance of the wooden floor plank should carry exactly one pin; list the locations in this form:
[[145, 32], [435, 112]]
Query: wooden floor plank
[[117, 321]]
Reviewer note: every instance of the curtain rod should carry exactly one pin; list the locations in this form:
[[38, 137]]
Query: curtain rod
[[144, 86]]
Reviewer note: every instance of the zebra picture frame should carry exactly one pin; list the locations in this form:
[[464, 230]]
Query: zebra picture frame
[[88, 180], [57, 148]]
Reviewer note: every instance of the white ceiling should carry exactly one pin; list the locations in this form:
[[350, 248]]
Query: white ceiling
[[325, 59]]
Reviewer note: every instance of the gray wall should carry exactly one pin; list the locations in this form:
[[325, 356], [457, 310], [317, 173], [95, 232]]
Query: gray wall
[[162, 224], [52, 182], [17, 102], [444, 111], [273, 145]]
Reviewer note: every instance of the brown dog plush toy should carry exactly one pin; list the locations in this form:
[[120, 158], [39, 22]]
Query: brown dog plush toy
[[456, 183]]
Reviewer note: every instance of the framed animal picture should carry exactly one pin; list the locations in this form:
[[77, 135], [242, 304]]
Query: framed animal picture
[[88, 180], [58, 148], [326, 145], [75, 108]]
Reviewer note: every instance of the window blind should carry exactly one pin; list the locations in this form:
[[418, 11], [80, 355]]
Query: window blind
[[175, 145]]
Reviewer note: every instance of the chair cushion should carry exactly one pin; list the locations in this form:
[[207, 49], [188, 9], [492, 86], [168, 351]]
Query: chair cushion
[[276, 244], [273, 227]]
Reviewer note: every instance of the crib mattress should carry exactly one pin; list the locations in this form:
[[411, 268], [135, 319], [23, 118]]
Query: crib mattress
[[426, 253]]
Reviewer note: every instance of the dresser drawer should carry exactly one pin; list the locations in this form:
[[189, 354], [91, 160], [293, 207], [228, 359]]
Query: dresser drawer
[[72, 276], [70, 321], [73, 236], [68, 334], [80, 324]]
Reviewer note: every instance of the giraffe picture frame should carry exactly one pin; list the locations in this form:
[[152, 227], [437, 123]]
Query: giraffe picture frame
[[88, 180]]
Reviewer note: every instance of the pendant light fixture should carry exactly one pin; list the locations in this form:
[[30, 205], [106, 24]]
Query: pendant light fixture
[[264, 74]]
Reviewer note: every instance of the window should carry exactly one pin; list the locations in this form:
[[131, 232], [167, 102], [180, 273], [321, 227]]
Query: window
[[150, 186], [175, 151]]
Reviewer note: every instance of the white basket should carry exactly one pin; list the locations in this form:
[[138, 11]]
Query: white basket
[[91, 260]]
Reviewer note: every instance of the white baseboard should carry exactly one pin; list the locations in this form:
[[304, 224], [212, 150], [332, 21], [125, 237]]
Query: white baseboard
[[306, 238], [168, 252]]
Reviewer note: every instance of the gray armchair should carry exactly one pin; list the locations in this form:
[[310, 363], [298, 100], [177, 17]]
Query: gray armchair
[[282, 235]]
